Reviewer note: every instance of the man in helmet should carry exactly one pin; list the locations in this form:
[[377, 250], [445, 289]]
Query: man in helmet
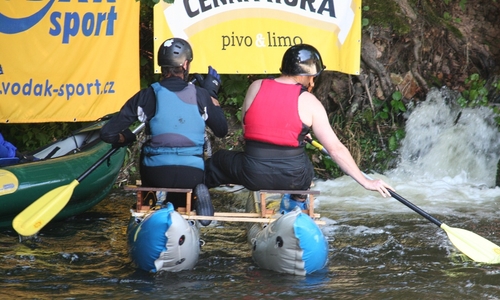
[[277, 115], [175, 112]]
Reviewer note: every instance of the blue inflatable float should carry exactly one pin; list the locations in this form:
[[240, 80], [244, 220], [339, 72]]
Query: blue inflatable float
[[293, 244], [162, 240]]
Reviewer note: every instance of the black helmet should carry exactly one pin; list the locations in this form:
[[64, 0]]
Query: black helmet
[[174, 52], [302, 59]]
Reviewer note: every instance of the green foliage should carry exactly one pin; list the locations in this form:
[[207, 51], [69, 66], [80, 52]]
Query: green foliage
[[385, 13], [146, 51], [365, 21], [27, 137], [448, 17], [397, 103], [476, 94], [152, 3], [435, 18], [388, 109], [461, 3], [395, 139], [233, 90]]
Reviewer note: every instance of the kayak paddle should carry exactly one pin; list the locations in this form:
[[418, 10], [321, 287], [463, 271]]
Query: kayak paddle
[[473, 245], [8, 182], [34, 217]]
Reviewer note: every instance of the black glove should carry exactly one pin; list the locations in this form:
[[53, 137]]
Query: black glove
[[129, 137], [211, 82]]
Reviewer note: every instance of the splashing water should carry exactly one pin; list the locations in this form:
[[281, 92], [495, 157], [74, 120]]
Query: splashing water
[[448, 161], [445, 140]]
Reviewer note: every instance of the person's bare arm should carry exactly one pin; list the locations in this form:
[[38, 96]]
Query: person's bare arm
[[313, 112]]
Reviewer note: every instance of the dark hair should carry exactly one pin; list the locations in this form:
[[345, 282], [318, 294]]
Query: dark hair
[[172, 71]]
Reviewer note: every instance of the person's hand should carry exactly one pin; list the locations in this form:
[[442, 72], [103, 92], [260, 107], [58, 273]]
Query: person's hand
[[211, 82], [127, 137], [380, 186]]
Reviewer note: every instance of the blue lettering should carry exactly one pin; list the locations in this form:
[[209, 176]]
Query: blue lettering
[[89, 88], [16, 88], [67, 90], [37, 91], [70, 90], [89, 24], [71, 25], [5, 87], [27, 87], [80, 89], [54, 17], [111, 84], [97, 86], [61, 91], [87, 1], [100, 18], [48, 88], [112, 17]]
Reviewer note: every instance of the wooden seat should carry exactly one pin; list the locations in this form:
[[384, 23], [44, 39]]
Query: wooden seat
[[145, 203]]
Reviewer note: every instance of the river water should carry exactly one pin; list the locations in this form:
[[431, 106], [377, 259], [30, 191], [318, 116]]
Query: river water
[[379, 248]]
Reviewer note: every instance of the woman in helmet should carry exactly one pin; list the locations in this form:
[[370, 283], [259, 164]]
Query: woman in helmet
[[176, 112], [277, 114]]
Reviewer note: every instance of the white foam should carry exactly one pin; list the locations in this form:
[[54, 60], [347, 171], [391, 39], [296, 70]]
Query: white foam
[[448, 164]]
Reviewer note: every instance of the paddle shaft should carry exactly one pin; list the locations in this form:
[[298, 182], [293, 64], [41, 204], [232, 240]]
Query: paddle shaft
[[106, 156], [393, 194], [415, 208], [97, 164]]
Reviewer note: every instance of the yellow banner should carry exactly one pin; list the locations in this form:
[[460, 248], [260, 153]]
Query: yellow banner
[[67, 60], [251, 36]]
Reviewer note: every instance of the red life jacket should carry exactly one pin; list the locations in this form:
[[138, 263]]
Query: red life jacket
[[273, 116]]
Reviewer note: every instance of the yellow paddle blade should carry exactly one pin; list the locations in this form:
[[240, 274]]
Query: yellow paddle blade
[[8, 182], [474, 246], [34, 217]]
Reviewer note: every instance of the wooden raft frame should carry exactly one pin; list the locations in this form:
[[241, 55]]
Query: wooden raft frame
[[265, 216]]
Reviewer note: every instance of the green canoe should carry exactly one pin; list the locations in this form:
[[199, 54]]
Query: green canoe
[[58, 164]]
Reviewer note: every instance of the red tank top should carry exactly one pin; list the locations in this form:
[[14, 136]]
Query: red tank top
[[273, 116]]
